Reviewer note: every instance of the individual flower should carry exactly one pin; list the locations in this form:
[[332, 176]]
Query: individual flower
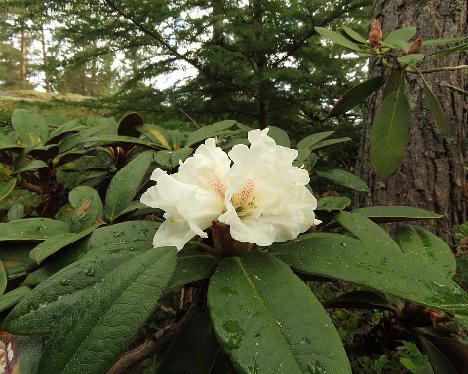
[[267, 199], [192, 198]]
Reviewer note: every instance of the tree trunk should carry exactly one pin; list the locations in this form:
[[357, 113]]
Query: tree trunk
[[432, 175], [47, 82], [23, 57]]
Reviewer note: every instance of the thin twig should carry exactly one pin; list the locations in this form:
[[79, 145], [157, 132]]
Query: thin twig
[[436, 70], [149, 347], [455, 88], [197, 126]]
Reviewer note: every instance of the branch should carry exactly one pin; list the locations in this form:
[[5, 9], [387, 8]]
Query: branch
[[149, 347], [436, 70], [158, 38]]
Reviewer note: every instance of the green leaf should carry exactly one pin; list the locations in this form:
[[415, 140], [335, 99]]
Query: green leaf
[[3, 278], [170, 159], [66, 128], [360, 299], [208, 132], [192, 267], [7, 187], [114, 139], [355, 35], [448, 51], [15, 212], [331, 203], [413, 59], [31, 127], [337, 38], [30, 166], [6, 144], [15, 258], [130, 235], [72, 141], [382, 214], [390, 132], [447, 355], [435, 107], [393, 82], [125, 184], [13, 297], [314, 139], [329, 142], [86, 208], [279, 135], [156, 135], [356, 95], [113, 311], [129, 123], [269, 321], [193, 350], [399, 38], [444, 41], [418, 271], [31, 229], [55, 243], [344, 178]]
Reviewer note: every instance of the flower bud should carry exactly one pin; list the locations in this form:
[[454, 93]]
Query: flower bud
[[415, 47], [375, 35]]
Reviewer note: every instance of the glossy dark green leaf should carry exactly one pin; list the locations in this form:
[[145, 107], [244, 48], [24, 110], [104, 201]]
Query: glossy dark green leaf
[[331, 203], [337, 38], [31, 229], [192, 267], [128, 125], [31, 127], [399, 38], [208, 131], [435, 107], [313, 139], [66, 128], [356, 95], [30, 166], [55, 243], [269, 321], [106, 128], [125, 184], [13, 297], [7, 187], [328, 142], [390, 132], [114, 139], [130, 235], [392, 82], [85, 209], [112, 312], [170, 159], [447, 356], [194, 349], [344, 178], [279, 135], [383, 214], [360, 299], [355, 35], [419, 271]]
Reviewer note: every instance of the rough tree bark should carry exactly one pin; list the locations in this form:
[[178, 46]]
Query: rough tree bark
[[432, 175]]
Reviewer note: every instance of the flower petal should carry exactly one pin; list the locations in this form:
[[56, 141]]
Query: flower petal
[[174, 233]]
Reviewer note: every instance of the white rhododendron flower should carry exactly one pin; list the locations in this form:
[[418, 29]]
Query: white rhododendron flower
[[192, 198], [262, 196], [267, 199]]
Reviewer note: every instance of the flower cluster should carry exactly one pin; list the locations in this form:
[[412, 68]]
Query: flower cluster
[[255, 190]]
